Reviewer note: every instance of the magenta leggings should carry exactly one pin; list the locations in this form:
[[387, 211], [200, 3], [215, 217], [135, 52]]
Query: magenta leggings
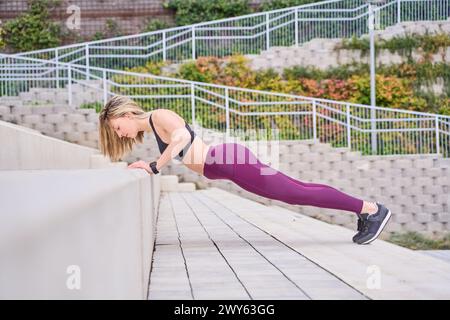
[[235, 162]]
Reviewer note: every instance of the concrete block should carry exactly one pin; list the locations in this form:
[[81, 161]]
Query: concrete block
[[56, 118], [5, 110], [415, 226], [423, 217], [310, 157], [74, 136], [301, 166], [402, 163], [32, 119], [430, 208], [42, 110], [361, 164], [186, 186], [298, 148], [423, 163], [169, 183], [65, 127], [17, 110], [444, 181], [87, 127], [76, 118], [43, 127]]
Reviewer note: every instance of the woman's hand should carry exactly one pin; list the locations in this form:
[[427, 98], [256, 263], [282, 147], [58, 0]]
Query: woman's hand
[[142, 165]]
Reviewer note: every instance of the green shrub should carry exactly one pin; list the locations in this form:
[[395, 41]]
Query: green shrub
[[416, 241], [404, 44], [93, 105], [155, 24], [33, 29], [268, 5], [194, 11]]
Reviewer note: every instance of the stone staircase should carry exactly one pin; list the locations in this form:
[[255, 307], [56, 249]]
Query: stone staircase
[[415, 187], [83, 91], [326, 53]]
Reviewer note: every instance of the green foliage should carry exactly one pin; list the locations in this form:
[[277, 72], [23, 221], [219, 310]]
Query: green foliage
[[111, 29], [190, 71], [2, 37], [194, 11], [155, 24], [33, 29], [152, 67], [429, 43], [280, 4], [338, 72], [416, 241]]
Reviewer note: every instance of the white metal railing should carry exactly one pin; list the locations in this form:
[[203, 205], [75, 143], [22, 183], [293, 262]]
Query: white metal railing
[[249, 34], [242, 112]]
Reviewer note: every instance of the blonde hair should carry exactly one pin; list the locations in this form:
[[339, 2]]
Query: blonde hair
[[111, 144]]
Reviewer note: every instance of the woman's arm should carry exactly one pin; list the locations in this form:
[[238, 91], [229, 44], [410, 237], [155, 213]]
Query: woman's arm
[[179, 137]]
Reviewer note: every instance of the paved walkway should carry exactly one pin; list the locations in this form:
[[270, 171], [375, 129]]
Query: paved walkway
[[440, 254], [212, 244]]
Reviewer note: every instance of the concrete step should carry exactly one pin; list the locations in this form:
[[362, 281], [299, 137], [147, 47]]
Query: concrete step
[[171, 183]]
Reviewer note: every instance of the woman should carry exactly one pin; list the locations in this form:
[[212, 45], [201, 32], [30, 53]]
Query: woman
[[122, 123]]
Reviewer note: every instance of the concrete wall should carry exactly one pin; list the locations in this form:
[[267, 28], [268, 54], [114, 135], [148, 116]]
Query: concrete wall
[[99, 222], [56, 213]]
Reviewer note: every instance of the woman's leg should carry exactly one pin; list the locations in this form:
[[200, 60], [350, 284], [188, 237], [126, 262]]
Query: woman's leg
[[256, 177]]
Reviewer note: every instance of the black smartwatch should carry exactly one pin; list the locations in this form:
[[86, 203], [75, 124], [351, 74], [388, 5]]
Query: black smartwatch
[[153, 167]]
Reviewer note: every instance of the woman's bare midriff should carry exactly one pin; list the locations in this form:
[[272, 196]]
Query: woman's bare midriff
[[195, 157]]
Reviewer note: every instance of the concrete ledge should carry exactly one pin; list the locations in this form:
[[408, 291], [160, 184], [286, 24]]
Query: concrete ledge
[[25, 148], [60, 228]]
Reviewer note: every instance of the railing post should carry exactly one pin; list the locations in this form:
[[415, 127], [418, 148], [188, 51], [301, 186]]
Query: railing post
[[193, 104], [296, 27], [164, 46], [267, 32], [105, 88], [372, 79], [69, 84], [193, 43], [227, 113], [437, 135], [349, 131], [57, 67], [399, 11], [86, 54], [314, 120]]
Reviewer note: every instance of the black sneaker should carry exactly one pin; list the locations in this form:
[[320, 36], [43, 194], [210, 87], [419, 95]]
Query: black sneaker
[[374, 225], [362, 218]]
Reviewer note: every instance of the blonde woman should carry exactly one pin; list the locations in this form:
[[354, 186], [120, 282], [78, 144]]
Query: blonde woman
[[122, 123]]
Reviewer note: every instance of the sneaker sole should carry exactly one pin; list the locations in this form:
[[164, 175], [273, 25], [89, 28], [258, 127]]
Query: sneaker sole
[[383, 224]]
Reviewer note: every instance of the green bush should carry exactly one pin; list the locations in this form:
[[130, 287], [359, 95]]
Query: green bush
[[416, 241], [429, 43], [92, 105], [33, 30], [154, 25], [195, 11], [280, 4]]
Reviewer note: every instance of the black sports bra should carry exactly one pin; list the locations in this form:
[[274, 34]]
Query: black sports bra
[[162, 145]]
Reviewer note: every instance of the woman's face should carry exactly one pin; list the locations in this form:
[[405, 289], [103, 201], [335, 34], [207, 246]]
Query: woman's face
[[125, 126]]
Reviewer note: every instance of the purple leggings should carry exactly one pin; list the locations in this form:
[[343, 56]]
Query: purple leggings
[[235, 162]]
